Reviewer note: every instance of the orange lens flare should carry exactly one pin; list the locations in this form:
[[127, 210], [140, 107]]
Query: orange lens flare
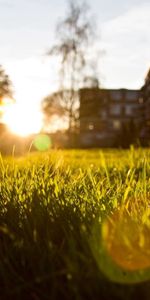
[[127, 242]]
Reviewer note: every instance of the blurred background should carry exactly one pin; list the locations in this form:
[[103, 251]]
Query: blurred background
[[74, 72]]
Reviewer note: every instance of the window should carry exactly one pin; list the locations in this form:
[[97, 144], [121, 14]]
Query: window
[[115, 109], [116, 95], [102, 113], [129, 110], [131, 95], [90, 126], [104, 100], [141, 100], [116, 124]]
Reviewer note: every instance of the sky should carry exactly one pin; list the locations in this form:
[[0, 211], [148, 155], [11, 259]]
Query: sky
[[27, 31]]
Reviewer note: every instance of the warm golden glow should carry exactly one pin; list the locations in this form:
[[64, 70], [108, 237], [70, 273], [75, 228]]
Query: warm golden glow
[[127, 241], [56, 123], [6, 101], [22, 120]]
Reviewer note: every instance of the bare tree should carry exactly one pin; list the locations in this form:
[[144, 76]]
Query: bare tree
[[74, 33], [5, 85], [52, 107], [5, 91], [57, 105]]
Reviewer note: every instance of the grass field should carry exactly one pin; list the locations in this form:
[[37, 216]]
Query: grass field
[[75, 224]]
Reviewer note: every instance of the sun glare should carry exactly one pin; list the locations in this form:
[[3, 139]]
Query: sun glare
[[23, 120]]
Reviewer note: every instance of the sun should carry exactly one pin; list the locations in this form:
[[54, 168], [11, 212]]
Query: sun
[[23, 120]]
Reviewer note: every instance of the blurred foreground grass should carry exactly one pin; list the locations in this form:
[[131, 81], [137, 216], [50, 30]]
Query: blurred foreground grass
[[75, 224]]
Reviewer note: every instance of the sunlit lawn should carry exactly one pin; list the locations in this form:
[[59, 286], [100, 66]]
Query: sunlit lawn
[[75, 224]]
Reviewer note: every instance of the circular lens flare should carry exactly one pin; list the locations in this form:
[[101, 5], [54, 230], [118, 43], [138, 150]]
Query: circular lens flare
[[42, 142], [122, 248], [127, 242]]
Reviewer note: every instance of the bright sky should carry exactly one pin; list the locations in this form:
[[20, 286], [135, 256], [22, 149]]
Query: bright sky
[[27, 31]]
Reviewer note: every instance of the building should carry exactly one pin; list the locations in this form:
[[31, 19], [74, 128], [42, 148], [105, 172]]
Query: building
[[109, 117], [145, 113]]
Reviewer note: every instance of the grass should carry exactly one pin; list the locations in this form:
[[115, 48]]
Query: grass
[[75, 224]]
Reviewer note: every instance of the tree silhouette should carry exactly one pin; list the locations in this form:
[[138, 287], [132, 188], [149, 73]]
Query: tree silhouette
[[73, 34], [5, 91], [5, 85], [52, 106]]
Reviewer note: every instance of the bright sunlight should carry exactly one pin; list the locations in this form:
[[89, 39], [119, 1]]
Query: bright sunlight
[[22, 120]]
